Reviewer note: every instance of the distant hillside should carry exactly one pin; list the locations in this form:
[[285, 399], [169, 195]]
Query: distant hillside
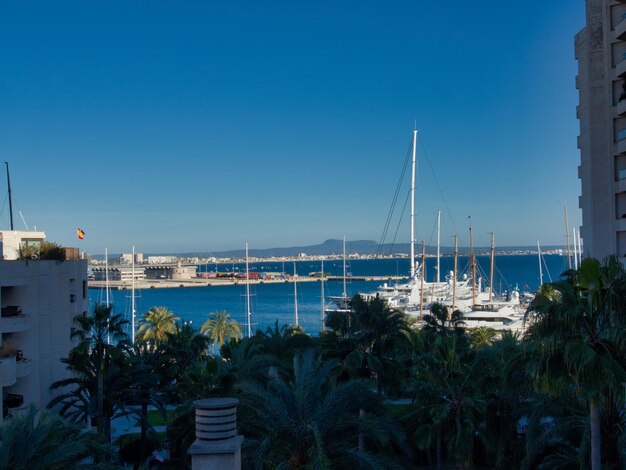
[[363, 247]]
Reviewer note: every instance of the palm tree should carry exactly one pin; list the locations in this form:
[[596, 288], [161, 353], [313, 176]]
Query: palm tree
[[97, 363], [377, 334], [441, 322], [283, 343], [157, 323], [144, 386], [312, 423], [220, 327], [450, 403], [44, 441], [182, 347], [482, 336], [577, 338]]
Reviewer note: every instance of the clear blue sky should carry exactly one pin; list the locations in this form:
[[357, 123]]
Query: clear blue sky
[[180, 126]]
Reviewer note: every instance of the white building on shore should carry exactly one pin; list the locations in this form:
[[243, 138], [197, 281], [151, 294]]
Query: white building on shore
[[39, 299]]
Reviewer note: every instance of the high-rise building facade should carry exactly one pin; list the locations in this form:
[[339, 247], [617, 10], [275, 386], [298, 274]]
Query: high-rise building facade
[[39, 300], [601, 81]]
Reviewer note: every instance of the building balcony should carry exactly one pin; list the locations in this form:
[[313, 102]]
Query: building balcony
[[21, 410], [8, 371], [620, 70], [14, 324], [13, 405], [619, 33], [621, 224], [620, 108], [620, 146], [23, 368]]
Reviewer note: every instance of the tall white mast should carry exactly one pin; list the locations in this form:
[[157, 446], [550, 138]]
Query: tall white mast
[[473, 265], [575, 248], [540, 268], [578, 247], [456, 254], [345, 290], [295, 293], [423, 268], [413, 205], [132, 299], [248, 316], [569, 254], [322, 294], [106, 285], [106, 274], [438, 244], [493, 252]]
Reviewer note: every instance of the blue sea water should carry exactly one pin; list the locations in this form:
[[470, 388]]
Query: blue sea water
[[275, 302]]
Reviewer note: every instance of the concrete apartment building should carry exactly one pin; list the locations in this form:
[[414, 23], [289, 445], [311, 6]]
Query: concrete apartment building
[[39, 300], [601, 81]]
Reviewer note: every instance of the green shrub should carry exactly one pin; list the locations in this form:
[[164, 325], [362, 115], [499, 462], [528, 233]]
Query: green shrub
[[45, 251]]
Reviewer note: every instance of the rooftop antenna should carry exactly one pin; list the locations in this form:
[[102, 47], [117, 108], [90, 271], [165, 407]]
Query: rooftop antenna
[[10, 199]]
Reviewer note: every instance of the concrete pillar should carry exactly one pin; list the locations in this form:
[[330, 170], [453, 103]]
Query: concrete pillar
[[217, 445]]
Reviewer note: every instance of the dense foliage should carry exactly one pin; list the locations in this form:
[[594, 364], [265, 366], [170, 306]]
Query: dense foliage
[[43, 251], [375, 389]]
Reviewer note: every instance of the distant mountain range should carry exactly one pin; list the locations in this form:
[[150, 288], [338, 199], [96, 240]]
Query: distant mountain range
[[362, 247]]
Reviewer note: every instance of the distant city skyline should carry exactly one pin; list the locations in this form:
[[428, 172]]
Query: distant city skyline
[[198, 127]]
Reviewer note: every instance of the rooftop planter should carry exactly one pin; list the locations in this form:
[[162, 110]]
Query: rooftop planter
[[44, 251]]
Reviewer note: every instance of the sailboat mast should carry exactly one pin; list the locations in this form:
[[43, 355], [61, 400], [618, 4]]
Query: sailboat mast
[[540, 268], [295, 292], [575, 248], [438, 245], [322, 294], [345, 290], [413, 205], [10, 198], [248, 314], [493, 252], [456, 255], [569, 254], [132, 298], [106, 275], [580, 248], [473, 264], [106, 286], [422, 278]]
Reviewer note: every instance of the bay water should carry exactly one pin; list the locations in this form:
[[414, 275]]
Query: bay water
[[275, 302]]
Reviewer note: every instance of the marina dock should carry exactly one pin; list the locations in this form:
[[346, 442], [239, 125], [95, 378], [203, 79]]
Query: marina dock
[[223, 281]]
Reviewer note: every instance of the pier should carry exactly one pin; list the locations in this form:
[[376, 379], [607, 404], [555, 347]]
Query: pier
[[225, 281]]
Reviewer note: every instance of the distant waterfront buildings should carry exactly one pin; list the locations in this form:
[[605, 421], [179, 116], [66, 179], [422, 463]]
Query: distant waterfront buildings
[[601, 54], [39, 300], [127, 258]]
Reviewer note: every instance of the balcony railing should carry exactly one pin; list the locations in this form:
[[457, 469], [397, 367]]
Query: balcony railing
[[23, 367], [11, 311], [620, 68], [14, 324], [12, 405], [8, 371]]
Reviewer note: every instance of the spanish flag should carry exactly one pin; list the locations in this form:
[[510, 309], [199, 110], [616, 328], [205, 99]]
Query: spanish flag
[[80, 233]]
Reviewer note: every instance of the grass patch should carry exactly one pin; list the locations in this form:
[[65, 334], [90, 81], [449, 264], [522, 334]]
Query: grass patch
[[397, 410], [156, 418]]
